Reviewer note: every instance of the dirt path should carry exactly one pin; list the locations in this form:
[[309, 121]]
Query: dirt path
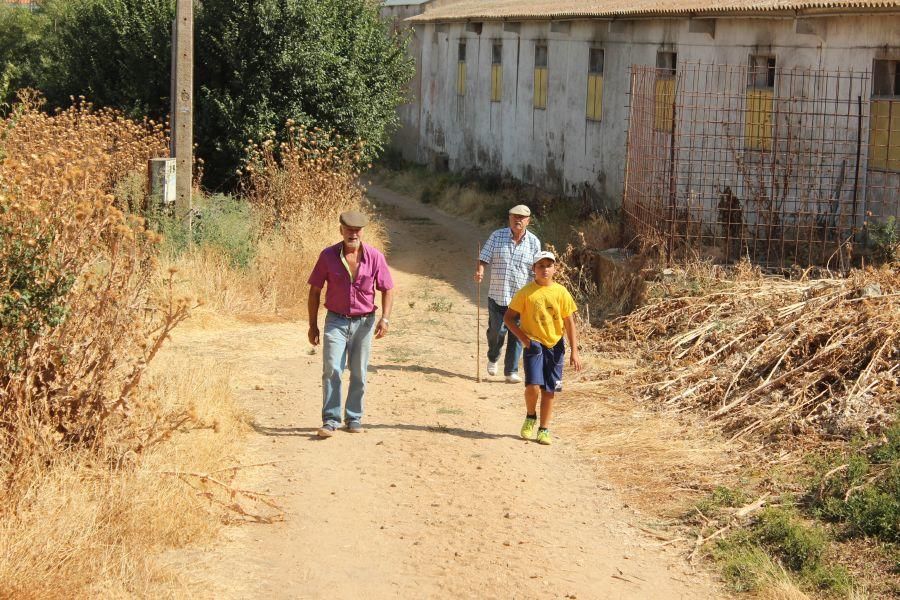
[[439, 498]]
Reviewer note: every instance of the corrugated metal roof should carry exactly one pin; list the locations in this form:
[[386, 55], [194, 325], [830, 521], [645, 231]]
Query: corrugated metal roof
[[404, 2], [466, 10]]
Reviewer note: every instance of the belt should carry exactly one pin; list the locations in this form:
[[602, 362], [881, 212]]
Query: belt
[[363, 316]]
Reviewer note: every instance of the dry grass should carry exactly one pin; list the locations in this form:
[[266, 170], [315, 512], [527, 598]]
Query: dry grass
[[91, 525], [659, 463]]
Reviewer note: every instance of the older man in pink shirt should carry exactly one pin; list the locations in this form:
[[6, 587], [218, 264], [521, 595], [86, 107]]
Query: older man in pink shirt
[[352, 271]]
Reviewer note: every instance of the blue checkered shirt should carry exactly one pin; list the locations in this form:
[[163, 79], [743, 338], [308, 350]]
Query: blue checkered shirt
[[510, 263]]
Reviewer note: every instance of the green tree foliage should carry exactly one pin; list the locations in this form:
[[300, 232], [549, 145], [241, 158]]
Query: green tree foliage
[[21, 50], [328, 63], [114, 52]]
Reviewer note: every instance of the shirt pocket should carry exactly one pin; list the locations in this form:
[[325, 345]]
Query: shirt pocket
[[365, 282]]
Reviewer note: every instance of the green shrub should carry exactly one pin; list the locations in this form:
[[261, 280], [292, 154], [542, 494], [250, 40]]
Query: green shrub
[[114, 52], [743, 564], [722, 497], [884, 239], [865, 493], [224, 222], [799, 547], [33, 291], [21, 51], [330, 63], [748, 557]]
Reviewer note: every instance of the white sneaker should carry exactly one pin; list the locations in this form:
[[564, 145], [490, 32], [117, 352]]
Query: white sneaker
[[492, 368], [513, 378]]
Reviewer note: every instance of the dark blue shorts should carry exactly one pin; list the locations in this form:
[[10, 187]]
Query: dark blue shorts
[[544, 366]]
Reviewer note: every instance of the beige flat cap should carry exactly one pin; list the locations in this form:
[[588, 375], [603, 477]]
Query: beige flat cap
[[353, 218], [520, 209]]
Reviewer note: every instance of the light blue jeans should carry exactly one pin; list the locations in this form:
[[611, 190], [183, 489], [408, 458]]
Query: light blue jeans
[[346, 343]]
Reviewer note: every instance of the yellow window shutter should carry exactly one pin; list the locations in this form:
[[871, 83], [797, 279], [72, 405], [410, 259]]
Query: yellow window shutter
[[598, 97], [665, 96], [893, 145], [879, 118], [496, 83], [758, 120], [884, 135], [595, 96], [461, 78], [540, 87]]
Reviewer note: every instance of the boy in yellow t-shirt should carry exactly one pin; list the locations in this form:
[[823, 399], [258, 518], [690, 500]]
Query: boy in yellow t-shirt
[[545, 309]]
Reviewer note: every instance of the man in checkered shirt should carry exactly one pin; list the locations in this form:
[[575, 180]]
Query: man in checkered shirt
[[510, 252]]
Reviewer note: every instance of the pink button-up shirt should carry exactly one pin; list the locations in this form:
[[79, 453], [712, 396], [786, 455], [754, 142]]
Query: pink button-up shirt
[[343, 296]]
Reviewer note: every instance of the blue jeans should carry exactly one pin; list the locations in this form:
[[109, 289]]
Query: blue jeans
[[497, 333], [346, 343]]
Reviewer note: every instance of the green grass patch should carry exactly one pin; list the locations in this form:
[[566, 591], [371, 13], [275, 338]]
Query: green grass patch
[[441, 305], [861, 489], [722, 497], [780, 544], [224, 222]]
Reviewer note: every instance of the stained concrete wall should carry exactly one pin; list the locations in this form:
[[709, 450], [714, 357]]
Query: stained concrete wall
[[558, 148]]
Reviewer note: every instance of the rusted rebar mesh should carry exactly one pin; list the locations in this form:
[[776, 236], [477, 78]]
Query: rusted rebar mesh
[[778, 166]]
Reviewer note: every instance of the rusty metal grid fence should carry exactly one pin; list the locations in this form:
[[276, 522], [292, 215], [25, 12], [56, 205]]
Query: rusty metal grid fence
[[725, 162]]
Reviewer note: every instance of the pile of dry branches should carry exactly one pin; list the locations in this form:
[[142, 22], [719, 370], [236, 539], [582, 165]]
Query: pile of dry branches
[[766, 355]]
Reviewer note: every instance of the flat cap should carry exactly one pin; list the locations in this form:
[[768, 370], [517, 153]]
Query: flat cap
[[354, 218], [520, 209]]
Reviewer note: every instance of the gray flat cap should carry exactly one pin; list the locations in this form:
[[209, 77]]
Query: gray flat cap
[[353, 218]]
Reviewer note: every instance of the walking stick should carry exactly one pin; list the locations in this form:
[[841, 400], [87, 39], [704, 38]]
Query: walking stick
[[478, 320]]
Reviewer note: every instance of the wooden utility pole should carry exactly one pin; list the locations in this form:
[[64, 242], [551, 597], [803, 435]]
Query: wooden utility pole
[[183, 105]]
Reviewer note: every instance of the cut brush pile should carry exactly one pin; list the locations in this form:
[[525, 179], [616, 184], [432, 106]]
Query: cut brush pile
[[766, 355]]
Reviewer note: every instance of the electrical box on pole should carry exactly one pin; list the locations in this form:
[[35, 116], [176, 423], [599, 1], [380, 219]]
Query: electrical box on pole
[[162, 181], [183, 105]]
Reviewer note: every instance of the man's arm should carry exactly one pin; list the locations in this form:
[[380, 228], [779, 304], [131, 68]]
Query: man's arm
[[509, 319], [484, 258], [574, 358], [312, 305], [387, 303]]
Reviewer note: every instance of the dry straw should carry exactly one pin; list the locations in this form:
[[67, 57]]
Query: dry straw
[[766, 355]]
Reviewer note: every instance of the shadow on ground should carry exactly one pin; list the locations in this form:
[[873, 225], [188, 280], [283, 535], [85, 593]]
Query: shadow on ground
[[440, 429]]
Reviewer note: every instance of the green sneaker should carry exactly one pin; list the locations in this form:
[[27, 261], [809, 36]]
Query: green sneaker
[[528, 428], [543, 437]]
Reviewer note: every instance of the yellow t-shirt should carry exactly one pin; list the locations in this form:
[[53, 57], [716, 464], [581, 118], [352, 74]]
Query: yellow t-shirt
[[542, 309]]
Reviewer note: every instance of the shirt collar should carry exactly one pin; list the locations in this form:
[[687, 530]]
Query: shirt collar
[[339, 248]]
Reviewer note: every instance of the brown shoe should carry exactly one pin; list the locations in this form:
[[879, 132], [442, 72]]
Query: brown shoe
[[354, 427], [326, 430]]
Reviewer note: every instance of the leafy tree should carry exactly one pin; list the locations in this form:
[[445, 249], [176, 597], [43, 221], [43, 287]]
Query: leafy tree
[[333, 64], [328, 63], [21, 50], [114, 52]]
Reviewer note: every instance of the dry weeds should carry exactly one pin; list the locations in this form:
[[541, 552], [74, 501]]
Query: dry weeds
[[87, 428], [297, 188], [92, 524]]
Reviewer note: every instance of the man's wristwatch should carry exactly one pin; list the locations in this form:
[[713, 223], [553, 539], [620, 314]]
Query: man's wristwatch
[[385, 320]]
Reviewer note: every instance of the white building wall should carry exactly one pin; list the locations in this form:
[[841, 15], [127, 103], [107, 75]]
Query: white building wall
[[558, 148]]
